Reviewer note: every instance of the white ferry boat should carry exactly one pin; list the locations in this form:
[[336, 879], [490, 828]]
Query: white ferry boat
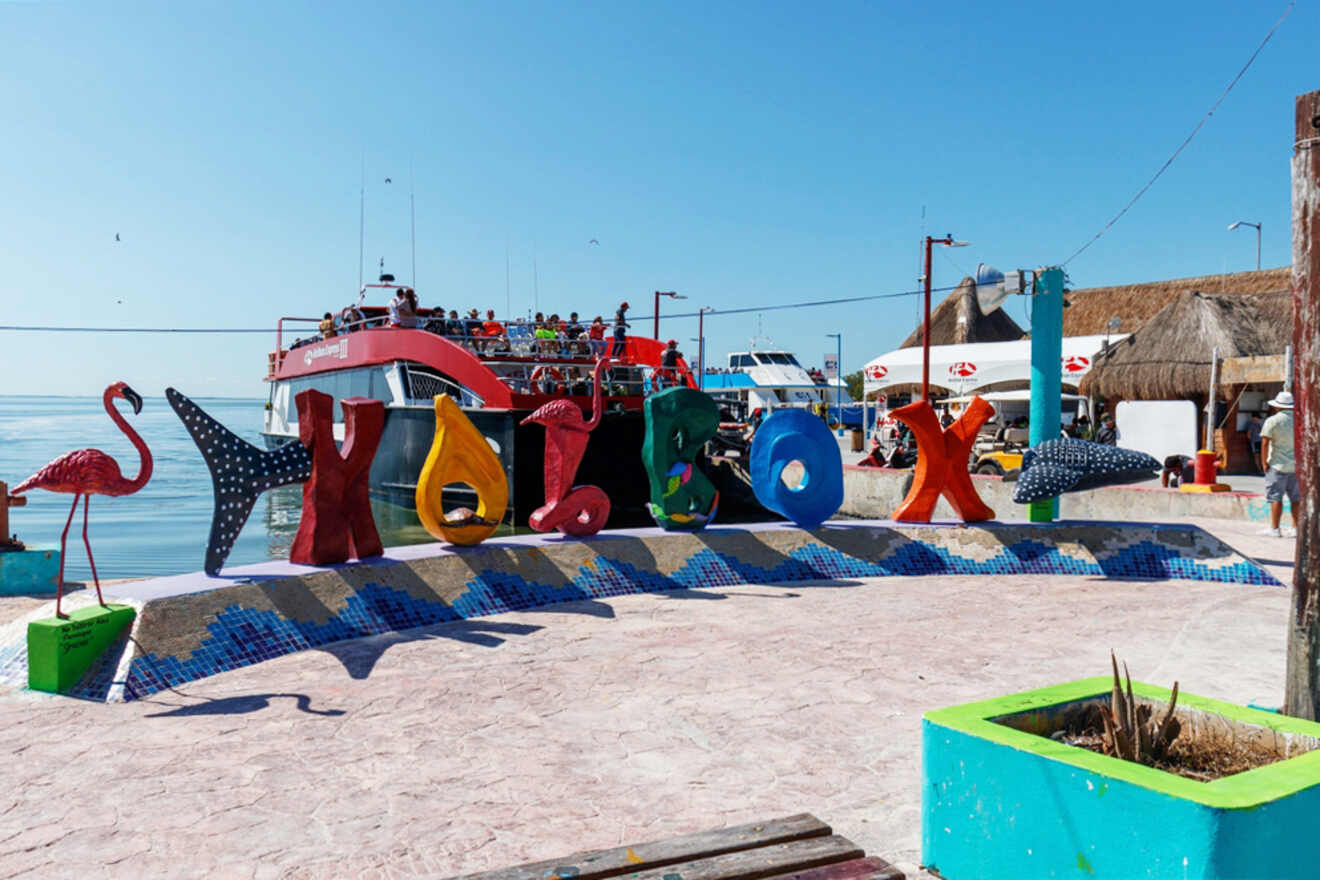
[[769, 379]]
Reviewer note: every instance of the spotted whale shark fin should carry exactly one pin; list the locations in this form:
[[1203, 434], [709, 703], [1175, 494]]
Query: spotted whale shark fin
[[1042, 480], [240, 472]]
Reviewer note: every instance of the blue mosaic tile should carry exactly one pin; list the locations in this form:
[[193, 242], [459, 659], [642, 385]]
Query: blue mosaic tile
[[242, 636]]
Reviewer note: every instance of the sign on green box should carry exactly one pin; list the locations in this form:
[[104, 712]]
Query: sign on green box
[[60, 651]]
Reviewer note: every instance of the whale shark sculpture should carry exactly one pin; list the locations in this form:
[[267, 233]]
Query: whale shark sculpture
[[240, 472], [1069, 465]]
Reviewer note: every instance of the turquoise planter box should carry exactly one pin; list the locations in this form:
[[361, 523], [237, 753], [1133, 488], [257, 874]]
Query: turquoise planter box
[[1000, 802], [24, 572]]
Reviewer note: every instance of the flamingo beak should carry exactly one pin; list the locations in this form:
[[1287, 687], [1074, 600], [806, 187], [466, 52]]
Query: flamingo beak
[[134, 399]]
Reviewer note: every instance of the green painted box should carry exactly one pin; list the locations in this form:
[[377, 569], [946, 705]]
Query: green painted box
[[60, 651], [999, 800]]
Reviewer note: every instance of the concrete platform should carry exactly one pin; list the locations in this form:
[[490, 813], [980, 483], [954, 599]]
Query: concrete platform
[[877, 492], [486, 743], [190, 627]]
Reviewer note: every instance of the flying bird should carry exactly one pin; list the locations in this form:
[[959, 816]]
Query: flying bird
[[387, 180], [87, 472], [116, 236], [593, 241]]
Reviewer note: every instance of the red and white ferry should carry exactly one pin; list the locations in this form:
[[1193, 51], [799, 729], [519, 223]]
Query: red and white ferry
[[406, 368]]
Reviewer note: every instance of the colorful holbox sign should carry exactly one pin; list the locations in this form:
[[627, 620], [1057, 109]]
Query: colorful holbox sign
[[60, 651], [460, 454], [796, 435], [679, 421]]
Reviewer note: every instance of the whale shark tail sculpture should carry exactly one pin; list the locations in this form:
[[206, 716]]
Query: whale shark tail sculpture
[[1070, 465], [240, 472]]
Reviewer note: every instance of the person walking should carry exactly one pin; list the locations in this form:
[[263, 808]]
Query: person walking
[[1253, 435], [1278, 461], [620, 332]]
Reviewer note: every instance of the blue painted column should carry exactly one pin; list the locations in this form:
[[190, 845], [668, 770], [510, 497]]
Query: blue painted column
[[1046, 370]]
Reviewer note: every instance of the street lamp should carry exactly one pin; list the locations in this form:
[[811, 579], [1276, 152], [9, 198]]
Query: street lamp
[[1238, 223], [947, 241], [701, 346], [656, 311], [838, 375]]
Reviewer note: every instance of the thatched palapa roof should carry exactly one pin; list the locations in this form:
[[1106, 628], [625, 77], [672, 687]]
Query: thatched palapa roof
[[1090, 309], [1169, 357], [959, 319]]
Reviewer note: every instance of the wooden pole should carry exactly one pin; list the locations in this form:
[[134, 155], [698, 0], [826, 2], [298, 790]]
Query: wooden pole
[[1302, 693]]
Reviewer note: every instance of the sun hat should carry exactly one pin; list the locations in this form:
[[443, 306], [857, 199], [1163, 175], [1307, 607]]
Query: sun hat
[[1283, 400], [673, 342]]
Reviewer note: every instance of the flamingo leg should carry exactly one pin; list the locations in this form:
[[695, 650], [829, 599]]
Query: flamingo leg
[[59, 593], [87, 500]]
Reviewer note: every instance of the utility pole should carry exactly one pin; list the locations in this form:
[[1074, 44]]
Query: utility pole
[[1046, 371], [1302, 692]]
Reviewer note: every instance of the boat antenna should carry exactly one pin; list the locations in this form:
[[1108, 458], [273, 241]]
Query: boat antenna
[[362, 216], [412, 217], [536, 289], [508, 308]]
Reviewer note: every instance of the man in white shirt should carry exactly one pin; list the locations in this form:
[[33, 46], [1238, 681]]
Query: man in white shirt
[[1278, 461]]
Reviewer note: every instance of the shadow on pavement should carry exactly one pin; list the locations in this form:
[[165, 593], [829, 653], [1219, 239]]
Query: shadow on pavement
[[241, 705], [359, 656]]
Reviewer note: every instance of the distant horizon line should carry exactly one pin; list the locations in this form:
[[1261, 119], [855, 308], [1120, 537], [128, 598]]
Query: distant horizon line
[[98, 396]]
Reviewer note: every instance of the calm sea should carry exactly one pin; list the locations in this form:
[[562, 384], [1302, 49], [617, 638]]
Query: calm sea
[[163, 528]]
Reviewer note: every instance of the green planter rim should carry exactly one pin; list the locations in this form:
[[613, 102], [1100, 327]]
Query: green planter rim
[[1245, 790]]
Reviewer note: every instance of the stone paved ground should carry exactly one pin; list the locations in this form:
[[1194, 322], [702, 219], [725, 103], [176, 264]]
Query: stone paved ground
[[485, 743]]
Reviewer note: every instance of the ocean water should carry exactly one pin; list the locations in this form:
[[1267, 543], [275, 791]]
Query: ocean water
[[162, 529]]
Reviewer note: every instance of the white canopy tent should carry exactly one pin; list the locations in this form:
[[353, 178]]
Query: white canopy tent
[[964, 368]]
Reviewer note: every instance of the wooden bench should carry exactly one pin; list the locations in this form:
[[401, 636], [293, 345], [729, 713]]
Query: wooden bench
[[800, 847]]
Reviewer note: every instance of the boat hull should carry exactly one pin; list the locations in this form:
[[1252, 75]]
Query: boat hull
[[613, 461]]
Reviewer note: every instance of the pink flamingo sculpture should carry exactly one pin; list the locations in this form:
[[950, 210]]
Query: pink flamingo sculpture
[[87, 472], [574, 510]]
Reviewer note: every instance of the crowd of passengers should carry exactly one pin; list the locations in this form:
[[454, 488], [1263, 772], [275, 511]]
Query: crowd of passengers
[[550, 336]]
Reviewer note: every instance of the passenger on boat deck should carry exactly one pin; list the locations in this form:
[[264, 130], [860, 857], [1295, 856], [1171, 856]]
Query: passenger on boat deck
[[620, 331], [353, 319], [327, 326], [472, 327], [435, 322], [494, 332], [454, 327], [576, 335], [403, 309], [546, 337], [596, 337]]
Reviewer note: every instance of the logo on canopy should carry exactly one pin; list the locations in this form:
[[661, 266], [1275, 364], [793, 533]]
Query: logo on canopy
[[1076, 364], [877, 371], [962, 369]]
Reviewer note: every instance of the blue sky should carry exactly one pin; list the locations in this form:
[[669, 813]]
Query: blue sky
[[742, 154]]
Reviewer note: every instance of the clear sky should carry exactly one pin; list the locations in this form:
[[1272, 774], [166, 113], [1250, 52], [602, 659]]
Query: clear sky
[[739, 153]]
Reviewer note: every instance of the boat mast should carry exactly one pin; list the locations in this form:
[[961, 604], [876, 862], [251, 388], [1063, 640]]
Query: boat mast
[[362, 220], [412, 218]]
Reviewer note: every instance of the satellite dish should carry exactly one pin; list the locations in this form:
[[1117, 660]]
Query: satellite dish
[[990, 288], [1114, 324]]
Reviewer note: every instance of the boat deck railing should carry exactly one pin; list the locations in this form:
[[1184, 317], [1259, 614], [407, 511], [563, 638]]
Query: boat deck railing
[[526, 364]]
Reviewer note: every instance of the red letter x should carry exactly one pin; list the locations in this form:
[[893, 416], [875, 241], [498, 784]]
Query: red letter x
[[942, 462], [336, 519]]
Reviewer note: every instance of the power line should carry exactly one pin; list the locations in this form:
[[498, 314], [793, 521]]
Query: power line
[[800, 305], [1183, 146], [19, 328]]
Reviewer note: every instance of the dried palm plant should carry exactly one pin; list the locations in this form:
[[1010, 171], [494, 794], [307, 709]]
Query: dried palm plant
[[1129, 733]]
